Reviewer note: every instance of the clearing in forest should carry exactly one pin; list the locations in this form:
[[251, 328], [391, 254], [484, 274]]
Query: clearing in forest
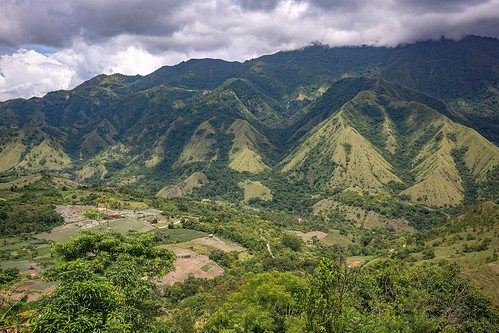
[[191, 263]]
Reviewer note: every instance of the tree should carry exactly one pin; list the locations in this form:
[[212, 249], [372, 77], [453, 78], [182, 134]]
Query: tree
[[105, 200], [267, 302], [292, 241], [103, 284], [324, 295]]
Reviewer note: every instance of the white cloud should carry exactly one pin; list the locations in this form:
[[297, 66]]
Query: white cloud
[[28, 73], [138, 36]]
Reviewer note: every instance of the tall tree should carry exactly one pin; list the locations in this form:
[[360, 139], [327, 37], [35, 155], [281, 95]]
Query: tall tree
[[105, 284]]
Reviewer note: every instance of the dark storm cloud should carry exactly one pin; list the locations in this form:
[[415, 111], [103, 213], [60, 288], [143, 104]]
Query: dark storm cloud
[[438, 6], [56, 23], [89, 37]]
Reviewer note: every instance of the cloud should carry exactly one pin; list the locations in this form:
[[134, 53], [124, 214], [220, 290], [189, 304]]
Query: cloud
[[42, 71], [137, 36], [27, 73]]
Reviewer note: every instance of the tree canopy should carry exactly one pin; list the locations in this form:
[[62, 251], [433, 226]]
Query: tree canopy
[[103, 284]]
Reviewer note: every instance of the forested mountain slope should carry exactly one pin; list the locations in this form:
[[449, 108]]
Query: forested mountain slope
[[317, 118]]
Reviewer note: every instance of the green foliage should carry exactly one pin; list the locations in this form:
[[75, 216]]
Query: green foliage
[[428, 253], [477, 246], [387, 296], [9, 275], [141, 246], [102, 285], [489, 190], [469, 183], [27, 219], [95, 215], [153, 117], [323, 298], [33, 211], [293, 242], [419, 216], [11, 316], [267, 302]]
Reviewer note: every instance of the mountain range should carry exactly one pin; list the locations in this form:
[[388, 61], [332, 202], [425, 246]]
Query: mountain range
[[416, 122]]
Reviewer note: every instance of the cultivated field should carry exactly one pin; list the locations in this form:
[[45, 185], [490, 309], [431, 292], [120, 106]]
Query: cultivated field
[[191, 263]]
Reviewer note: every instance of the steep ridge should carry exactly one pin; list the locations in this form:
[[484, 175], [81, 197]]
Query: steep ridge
[[304, 112], [31, 150], [383, 139], [200, 146], [243, 154]]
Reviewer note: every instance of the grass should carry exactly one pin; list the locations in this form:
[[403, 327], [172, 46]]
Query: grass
[[334, 237], [15, 245], [72, 230], [197, 179], [22, 265], [197, 247], [43, 250], [247, 160], [207, 267], [360, 260], [255, 190], [245, 255], [474, 265], [122, 225], [199, 147], [180, 235], [220, 244]]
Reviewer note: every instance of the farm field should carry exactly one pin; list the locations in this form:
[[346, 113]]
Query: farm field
[[75, 222], [191, 263], [220, 244], [334, 237], [309, 235], [180, 235]]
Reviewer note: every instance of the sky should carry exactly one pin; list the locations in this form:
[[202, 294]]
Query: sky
[[48, 45]]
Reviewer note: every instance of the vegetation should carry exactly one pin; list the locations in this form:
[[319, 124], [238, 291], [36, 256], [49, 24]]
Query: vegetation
[[308, 191], [32, 210], [281, 283], [101, 285]]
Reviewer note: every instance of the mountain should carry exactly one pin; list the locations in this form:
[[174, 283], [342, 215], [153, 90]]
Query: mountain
[[405, 122], [389, 136]]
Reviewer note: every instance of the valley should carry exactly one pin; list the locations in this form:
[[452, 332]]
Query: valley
[[349, 187]]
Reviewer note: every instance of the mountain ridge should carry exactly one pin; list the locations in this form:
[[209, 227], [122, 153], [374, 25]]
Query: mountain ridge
[[252, 119]]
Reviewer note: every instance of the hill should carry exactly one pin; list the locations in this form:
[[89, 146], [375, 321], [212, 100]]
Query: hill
[[305, 121], [389, 138]]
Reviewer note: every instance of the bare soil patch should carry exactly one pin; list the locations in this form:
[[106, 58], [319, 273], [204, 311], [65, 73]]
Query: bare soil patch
[[23, 288], [355, 262], [309, 235], [73, 213], [191, 263]]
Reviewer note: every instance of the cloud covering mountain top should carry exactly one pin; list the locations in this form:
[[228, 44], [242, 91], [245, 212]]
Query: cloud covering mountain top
[[55, 44]]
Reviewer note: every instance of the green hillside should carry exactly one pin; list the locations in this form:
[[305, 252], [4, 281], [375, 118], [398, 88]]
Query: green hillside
[[302, 123], [385, 140]]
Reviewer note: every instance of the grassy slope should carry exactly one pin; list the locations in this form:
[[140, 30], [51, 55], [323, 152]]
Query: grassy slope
[[197, 179], [375, 137], [243, 154], [199, 148], [255, 189]]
